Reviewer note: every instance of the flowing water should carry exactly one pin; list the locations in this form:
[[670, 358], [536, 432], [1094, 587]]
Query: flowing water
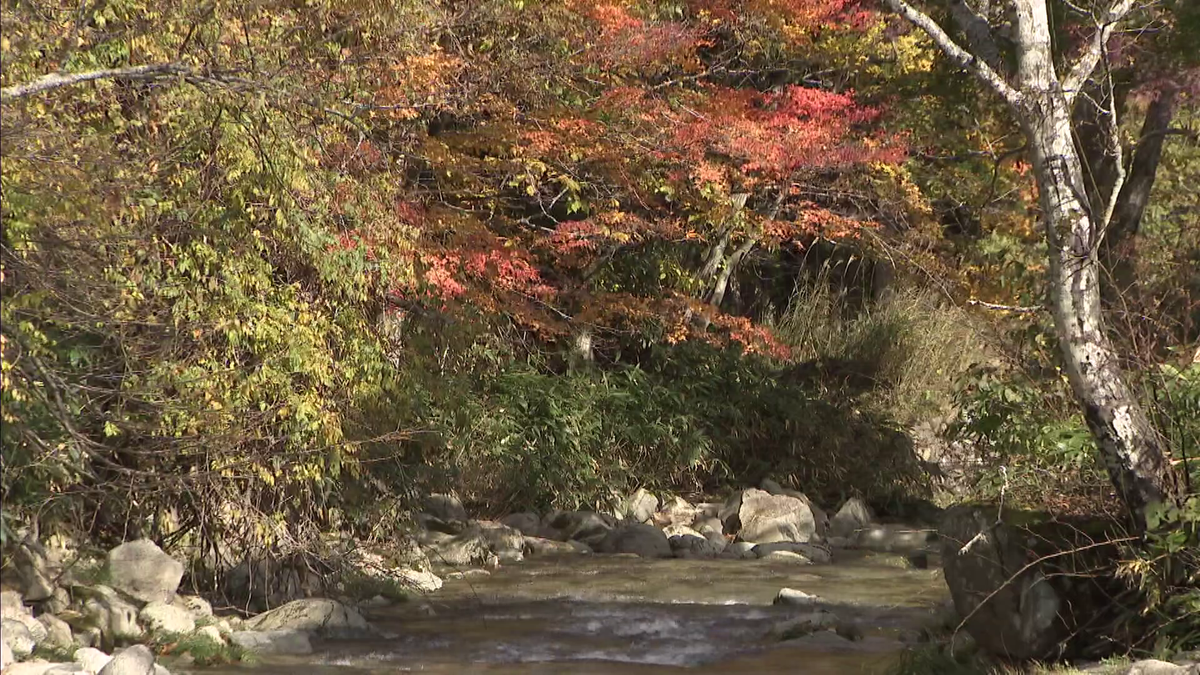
[[623, 615]]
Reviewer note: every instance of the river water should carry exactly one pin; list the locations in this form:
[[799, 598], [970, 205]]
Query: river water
[[621, 615]]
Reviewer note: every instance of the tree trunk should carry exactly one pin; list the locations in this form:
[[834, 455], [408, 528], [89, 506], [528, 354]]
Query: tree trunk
[[1119, 249], [1132, 450]]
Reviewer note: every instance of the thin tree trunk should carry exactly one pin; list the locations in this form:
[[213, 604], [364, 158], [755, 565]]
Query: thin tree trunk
[[1119, 248], [722, 283]]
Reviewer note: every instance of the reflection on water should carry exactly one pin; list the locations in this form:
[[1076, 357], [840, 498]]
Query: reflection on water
[[618, 615]]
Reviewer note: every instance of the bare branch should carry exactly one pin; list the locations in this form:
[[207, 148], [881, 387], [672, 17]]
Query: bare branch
[[1118, 156], [57, 80], [1086, 63], [957, 54]]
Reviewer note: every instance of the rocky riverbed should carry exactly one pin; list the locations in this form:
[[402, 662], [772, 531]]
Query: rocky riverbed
[[761, 581]]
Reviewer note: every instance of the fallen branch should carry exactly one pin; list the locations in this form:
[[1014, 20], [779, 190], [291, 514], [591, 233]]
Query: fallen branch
[[1005, 308]]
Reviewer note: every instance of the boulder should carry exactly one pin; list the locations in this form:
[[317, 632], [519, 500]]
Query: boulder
[[445, 507], [212, 634], [111, 614], [33, 570], [58, 632], [819, 516], [640, 539], [1015, 617], [540, 546], [91, 659], [694, 546], [479, 542], [850, 518], [795, 598], [163, 618], [44, 668], [588, 527], [709, 528], [6, 654], [528, 524], [812, 552], [676, 511], [277, 642], [766, 518], [12, 605], [1155, 667], [141, 570], [421, 581], [196, 606], [135, 660], [17, 638], [787, 556], [317, 616], [640, 506], [739, 550], [506, 542], [36, 629]]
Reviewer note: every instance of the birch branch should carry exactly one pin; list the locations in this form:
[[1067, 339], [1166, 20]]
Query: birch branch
[[957, 54], [59, 80], [1086, 64]]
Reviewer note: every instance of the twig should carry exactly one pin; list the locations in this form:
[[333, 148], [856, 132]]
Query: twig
[[1006, 308]]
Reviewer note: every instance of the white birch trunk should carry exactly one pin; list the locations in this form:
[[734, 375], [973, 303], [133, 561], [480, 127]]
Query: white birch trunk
[[1132, 450]]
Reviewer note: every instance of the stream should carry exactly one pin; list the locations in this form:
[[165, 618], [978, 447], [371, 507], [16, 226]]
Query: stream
[[619, 615]]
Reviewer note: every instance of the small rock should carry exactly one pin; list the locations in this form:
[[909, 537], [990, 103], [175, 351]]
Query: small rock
[[16, 635], [141, 569], [787, 556], [6, 654], [318, 616], [212, 634], [58, 633], [677, 511], [273, 641], [640, 506], [810, 552], [588, 527], [163, 618], [795, 598], [805, 624], [66, 669], [91, 659], [41, 668], [135, 660]]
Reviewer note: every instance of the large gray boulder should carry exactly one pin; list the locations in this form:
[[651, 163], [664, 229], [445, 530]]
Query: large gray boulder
[[91, 659], [640, 506], [135, 660], [693, 545], [6, 654], [141, 570], [676, 511], [819, 516], [1012, 608], [540, 546], [764, 518], [478, 542], [274, 642], [640, 539], [317, 616]]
